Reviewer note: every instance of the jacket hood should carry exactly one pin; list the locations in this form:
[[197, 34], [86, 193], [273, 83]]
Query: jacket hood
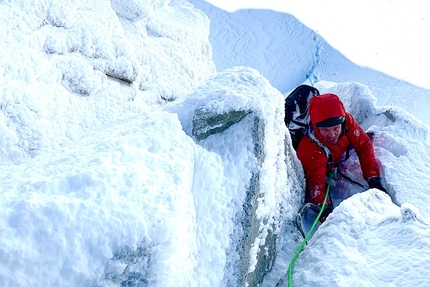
[[325, 106]]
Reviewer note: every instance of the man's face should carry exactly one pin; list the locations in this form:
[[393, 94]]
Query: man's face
[[331, 134]]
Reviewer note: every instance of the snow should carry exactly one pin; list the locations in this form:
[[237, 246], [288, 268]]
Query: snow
[[103, 184], [63, 217], [372, 244], [369, 33], [287, 52]]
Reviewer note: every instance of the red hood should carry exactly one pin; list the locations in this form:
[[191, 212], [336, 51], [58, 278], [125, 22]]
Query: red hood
[[323, 107]]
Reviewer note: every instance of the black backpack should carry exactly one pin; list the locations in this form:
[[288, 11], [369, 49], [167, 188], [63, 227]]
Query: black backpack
[[296, 112]]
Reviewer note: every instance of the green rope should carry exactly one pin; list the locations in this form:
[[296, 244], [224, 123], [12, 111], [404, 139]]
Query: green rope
[[290, 267]]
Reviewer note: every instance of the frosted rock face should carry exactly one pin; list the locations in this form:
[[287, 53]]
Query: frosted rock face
[[239, 115], [247, 223], [207, 123]]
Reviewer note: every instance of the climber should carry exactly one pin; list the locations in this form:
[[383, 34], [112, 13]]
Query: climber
[[332, 134]]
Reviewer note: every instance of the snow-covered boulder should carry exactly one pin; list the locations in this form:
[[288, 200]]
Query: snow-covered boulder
[[238, 115], [114, 210], [367, 234], [67, 67]]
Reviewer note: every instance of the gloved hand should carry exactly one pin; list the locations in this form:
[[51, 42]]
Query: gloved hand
[[375, 182], [328, 208]]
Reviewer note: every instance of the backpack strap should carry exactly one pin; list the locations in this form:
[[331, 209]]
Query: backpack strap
[[300, 124], [345, 131], [326, 150]]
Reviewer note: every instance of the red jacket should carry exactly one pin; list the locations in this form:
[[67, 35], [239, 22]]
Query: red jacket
[[314, 159]]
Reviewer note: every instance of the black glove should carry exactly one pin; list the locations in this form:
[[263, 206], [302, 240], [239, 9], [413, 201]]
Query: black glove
[[328, 208], [375, 182]]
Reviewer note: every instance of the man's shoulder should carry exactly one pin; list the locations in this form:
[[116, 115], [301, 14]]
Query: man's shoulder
[[350, 120]]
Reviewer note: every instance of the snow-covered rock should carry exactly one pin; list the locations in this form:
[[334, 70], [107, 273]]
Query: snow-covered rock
[[238, 113]]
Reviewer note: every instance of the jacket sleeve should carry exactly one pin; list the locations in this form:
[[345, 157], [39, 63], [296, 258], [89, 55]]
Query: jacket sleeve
[[314, 162], [363, 147]]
